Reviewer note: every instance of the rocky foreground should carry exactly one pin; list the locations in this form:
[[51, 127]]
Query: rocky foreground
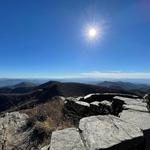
[[107, 121]]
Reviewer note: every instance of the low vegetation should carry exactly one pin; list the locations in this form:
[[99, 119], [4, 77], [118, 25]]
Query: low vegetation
[[45, 118]]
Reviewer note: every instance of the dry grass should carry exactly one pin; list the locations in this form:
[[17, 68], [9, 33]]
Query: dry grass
[[46, 118]]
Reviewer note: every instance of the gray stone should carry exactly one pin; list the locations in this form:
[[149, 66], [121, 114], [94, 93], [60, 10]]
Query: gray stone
[[67, 139], [136, 108], [96, 103], [104, 132], [131, 101], [138, 118], [82, 103], [12, 133], [107, 103], [71, 99], [105, 96]]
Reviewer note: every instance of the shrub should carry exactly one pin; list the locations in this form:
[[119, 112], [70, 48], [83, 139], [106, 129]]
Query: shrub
[[45, 118]]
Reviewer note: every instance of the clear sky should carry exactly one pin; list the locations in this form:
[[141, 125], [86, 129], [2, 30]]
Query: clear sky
[[46, 38]]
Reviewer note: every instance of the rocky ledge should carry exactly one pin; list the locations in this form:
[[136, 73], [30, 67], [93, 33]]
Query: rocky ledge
[[107, 121]]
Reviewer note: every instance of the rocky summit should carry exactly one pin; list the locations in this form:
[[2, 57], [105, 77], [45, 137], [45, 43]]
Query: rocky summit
[[107, 122], [102, 121]]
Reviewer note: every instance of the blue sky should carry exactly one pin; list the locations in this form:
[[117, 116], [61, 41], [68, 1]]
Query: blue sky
[[46, 38]]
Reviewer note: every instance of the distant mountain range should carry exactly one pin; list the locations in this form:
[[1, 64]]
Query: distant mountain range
[[22, 97], [25, 94], [4, 82], [12, 82], [124, 85]]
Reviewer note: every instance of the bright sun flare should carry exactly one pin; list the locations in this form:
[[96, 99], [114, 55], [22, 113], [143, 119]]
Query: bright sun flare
[[92, 32]]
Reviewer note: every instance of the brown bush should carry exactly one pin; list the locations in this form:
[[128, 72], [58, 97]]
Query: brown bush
[[46, 118]]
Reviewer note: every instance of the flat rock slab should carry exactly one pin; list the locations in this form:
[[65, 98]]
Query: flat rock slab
[[136, 108], [131, 101], [140, 119], [105, 132], [67, 139]]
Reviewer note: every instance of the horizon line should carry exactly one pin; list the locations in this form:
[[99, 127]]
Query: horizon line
[[87, 75]]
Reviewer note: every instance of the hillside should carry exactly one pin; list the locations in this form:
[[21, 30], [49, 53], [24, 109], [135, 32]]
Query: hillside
[[45, 92]]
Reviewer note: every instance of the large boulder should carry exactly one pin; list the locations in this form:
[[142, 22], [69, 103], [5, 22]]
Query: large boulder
[[110, 133], [67, 139], [13, 135], [139, 116], [140, 119], [135, 112]]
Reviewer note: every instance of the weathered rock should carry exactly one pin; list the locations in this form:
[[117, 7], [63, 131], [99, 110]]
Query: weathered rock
[[136, 108], [78, 108], [107, 103], [131, 101], [104, 96], [67, 139], [98, 97], [140, 119], [12, 133], [96, 103], [71, 99], [109, 132]]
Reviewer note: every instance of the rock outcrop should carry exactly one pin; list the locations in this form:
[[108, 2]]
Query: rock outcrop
[[127, 128], [67, 139], [107, 121], [13, 135], [136, 112], [94, 104], [105, 132], [99, 133]]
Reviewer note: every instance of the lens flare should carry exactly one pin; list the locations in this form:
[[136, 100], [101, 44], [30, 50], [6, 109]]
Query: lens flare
[[92, 33]]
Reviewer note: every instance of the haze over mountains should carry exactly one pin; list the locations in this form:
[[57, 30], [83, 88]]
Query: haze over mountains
[[25, 94], [27, 85], [29, 96]]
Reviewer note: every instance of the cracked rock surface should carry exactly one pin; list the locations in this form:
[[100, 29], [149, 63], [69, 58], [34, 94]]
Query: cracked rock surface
[[12, 134], [99, 133]]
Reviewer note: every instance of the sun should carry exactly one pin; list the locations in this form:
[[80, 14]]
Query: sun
[[92, 32]]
